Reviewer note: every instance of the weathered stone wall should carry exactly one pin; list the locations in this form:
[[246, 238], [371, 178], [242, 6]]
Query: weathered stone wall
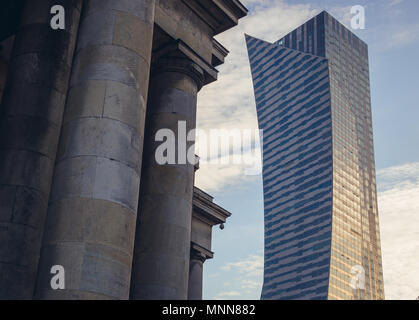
[[30, 124], [201, 233]]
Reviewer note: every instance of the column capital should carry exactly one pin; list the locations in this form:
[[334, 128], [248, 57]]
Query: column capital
[[199, 253], [172, 63], [177, 56]]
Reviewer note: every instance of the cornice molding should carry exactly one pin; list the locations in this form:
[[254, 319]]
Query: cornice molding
[[219, 53], [206, 210], [200, 253], [179, 49], [220, 15]]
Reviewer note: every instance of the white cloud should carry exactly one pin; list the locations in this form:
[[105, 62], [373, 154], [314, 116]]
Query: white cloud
[[398, 201], [250, 284], [402, 36], [245, 278], [392, 27], [398, 176], [227, 294], [215, 177], [343, 14], [252, 267], [393, 3]]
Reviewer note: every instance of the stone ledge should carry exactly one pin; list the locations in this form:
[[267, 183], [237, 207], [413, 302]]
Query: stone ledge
[[220, 15], [219, 53], [200, 253], [178, 48], [206, 210]]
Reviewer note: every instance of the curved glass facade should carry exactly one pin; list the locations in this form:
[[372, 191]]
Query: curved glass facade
[[321, 220]]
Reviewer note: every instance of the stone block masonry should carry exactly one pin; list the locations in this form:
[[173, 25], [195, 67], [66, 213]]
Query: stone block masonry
[[30, 124], [77, 192]]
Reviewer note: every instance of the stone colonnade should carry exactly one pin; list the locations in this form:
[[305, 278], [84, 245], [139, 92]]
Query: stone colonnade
[[79, 183]]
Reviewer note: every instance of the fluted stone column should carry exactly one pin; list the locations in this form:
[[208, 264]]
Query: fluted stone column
[[161, 256], [196, 272], [93, 207], [30, 124]]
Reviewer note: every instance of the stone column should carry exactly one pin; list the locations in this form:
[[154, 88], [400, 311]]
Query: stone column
[[30, 123], [94, 199], [196, 271], [161, 256]]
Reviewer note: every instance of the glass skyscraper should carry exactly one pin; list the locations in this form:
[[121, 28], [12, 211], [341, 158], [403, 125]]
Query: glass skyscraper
[[322, 238]]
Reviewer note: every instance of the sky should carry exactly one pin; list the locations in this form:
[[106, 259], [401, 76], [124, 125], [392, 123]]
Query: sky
[[392, 33]]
